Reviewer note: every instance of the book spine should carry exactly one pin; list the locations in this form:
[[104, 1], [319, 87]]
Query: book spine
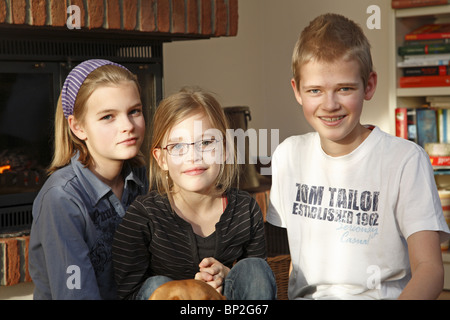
[[428, 36], [447, 125], [444, 125], [405, 123], [419, 63], [426, 71], [423, 49], [442, 105], [429, 42], [424, 81], [440, 160], [401, 123], [398, 4], [426, 126], [412, 125], [427, 57]]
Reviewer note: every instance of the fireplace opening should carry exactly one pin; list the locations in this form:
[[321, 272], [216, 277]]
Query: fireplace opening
[[24, 131], [29, 90]]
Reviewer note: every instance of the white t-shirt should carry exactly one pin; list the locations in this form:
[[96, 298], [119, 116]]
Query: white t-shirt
[[348, 217]]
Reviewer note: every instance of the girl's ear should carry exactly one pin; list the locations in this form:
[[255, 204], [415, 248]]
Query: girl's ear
[[157, 154], [76, 128]]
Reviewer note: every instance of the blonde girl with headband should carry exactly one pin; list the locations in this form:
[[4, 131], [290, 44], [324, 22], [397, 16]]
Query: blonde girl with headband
[[192, 224], [97, 171]]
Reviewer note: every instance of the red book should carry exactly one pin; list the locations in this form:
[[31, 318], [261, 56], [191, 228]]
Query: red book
[[424, 81], [399, 4], [440, 160], [405, 123], [430, 31], [401, 122]]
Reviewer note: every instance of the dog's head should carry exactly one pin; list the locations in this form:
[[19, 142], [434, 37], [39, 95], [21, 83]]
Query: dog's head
[[186, 290]]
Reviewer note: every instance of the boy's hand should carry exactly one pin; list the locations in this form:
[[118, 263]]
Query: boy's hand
[[213, 273]]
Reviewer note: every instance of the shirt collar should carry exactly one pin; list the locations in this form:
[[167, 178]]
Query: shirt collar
[[95, 188]]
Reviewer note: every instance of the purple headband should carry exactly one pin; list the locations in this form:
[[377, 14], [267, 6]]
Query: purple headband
[[76, 78]]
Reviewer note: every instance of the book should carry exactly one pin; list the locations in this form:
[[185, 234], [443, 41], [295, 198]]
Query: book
[[438, 98], [426, 123], [443, 125], [439, 154], [427, 57], [430, 31], [426, 71], [399, 4], [440, 161], [424, 81], [424, 49], [401, 125], [438, 102], [440, 105], [405, 123], [421, 63], [424, 42]]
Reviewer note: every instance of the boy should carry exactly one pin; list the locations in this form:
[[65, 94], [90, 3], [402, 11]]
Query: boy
[[361, 208]]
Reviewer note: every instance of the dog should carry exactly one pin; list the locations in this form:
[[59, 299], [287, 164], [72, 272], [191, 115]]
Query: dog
[[186, 290]]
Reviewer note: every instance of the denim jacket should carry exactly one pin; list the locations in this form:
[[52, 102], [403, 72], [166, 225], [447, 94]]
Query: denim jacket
[[75, 216]]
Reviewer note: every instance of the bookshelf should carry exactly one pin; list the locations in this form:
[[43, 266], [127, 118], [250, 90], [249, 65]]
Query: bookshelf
[[403, 21]]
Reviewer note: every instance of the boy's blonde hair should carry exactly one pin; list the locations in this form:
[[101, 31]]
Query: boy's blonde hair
[[330, 37], [173, 110], [66, 144]]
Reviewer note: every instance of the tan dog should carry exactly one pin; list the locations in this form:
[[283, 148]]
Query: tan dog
[[186, 290]]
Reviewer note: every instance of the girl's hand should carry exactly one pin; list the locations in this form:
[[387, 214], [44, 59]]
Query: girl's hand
[[213, 273]]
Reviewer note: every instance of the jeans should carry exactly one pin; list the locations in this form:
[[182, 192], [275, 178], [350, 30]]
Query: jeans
[[249, 279]]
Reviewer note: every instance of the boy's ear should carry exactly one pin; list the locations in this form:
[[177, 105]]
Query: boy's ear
[[157, 154], [76, 128], [371, 86], [296, 91]]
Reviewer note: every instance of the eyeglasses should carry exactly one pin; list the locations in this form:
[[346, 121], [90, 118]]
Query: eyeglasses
[[181, 148]]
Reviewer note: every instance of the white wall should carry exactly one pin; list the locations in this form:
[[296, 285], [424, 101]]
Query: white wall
[[253, 68]]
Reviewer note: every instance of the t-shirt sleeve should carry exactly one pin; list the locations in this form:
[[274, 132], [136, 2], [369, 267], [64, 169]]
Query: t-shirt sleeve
[[418, 206], [274, 211]]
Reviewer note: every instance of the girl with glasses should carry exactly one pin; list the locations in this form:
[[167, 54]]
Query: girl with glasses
[[193, 224]]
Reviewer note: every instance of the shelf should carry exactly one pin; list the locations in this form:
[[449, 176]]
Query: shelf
[[402, 22], [422, 11]]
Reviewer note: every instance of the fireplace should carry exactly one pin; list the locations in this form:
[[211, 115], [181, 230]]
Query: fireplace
[[32, 71]]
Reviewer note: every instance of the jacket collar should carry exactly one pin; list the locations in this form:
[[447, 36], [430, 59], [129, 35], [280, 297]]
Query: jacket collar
[[95, 188]]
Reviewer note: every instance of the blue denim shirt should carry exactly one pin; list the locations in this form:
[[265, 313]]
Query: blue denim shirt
[[75, 216]]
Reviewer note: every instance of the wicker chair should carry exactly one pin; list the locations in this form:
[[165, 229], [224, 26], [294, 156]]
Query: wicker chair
[[280, 267]]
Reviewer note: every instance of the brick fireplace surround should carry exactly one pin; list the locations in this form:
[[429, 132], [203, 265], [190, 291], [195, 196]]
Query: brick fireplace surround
[[164, 20], [151, 18]]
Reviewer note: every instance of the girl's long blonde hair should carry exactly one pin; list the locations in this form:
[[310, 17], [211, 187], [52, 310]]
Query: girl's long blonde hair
[[66, 144], [174, 109]]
